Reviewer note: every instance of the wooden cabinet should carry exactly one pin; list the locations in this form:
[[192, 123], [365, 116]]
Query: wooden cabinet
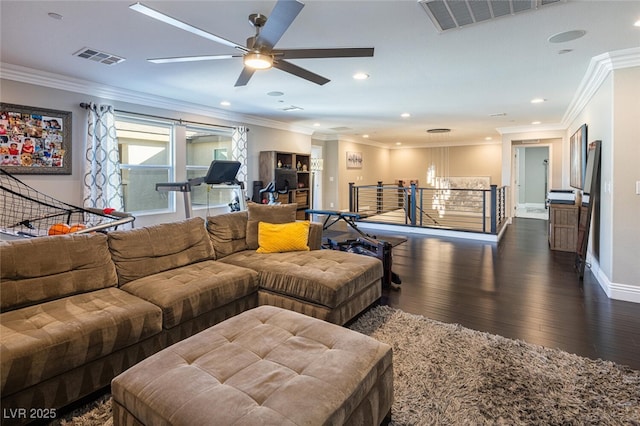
[[277, 166], [563, 226]]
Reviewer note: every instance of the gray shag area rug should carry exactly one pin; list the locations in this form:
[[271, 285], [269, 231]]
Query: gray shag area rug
[[447, 374]]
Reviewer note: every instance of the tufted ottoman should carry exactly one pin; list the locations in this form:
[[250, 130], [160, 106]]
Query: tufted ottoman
[[264, 366]]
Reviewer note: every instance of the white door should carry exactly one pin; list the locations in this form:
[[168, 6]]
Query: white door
[[316, 177]]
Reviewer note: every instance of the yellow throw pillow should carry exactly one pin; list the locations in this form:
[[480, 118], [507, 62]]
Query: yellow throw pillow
[[281, 237]]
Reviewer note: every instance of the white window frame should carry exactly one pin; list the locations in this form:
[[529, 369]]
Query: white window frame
[[170, 168], [204, 169]]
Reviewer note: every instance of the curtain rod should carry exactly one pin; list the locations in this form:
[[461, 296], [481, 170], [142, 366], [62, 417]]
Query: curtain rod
[[178, 120]]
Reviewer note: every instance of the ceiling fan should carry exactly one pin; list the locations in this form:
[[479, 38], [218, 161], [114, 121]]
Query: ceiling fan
[[259, 53]]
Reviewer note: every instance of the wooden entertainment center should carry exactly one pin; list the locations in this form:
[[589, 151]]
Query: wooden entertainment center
[[273, 163]]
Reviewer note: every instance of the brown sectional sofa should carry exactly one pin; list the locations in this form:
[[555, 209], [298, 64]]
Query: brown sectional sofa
[[77, 310]]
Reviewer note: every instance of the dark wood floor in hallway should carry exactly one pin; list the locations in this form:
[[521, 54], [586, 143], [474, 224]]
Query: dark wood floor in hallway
[[517, 288]]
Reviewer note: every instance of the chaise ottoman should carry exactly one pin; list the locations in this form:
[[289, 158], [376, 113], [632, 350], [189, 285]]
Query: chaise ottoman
[[264, 366]]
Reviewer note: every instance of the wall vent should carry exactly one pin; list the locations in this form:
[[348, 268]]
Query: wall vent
[[98, 56], [450, 14]]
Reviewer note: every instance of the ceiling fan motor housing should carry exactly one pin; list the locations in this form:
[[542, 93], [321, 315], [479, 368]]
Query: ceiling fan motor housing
[[257, 20]]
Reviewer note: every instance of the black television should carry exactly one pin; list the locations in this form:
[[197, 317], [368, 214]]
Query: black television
[[222, 171], [286, 179]]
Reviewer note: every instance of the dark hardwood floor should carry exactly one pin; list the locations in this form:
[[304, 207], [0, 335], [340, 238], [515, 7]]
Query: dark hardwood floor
[[517, 288]]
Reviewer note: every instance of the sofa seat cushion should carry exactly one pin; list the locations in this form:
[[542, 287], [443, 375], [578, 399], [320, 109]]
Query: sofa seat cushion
[[325, 277], [187, 292], [39, 342]]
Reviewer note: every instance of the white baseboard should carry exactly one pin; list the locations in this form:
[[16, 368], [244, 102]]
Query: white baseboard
[[616, 291]]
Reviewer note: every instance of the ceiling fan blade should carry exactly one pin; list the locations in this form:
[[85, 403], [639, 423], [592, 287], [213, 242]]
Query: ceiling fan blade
[[152, 13], [191, 58], [244, 77], [282, 15], [355, 52], [300, 72]]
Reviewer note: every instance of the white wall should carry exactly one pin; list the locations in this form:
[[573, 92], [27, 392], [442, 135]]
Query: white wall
[[626, 175], [68, 188], [375, 167], [612, 117], [473, 160], [599, 119], [388, 165]]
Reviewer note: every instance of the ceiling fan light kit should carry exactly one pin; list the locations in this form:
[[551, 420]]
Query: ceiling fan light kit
[[259, 53], [258, 61]]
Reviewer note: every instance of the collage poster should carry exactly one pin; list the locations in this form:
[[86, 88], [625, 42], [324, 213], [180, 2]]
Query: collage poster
[[31, 140]]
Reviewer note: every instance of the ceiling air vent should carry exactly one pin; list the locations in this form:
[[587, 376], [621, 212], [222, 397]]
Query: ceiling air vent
[[450, 14], [98, 56]]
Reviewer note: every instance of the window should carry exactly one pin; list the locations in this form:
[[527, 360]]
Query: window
[[205, 144], [145, 149]]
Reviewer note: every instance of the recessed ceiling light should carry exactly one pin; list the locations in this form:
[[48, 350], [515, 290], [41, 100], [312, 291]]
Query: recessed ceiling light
[[498, 114], [360, 76], [563, 51], [398, 143], [225, 103], [292, 108], [405, 115], [488, 138], [566, 36], [55, 16], [438, 130], [538, 100], [365, 136], [535, 122], [637, 23], [316, 124], [275, 93]]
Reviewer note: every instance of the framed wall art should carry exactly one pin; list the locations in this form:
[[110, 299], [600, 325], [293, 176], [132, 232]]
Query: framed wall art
[[35, 140], [354, 160], [578, 157]]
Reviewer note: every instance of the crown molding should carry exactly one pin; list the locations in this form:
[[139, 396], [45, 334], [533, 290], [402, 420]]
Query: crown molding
[[56, 81], [597, 72], [532, 128]]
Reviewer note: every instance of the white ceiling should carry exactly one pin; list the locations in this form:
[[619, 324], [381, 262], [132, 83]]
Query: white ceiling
[[455, 79]]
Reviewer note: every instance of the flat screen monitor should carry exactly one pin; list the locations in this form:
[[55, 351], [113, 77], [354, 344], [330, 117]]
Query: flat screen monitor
[[286, 179], [222, 171]]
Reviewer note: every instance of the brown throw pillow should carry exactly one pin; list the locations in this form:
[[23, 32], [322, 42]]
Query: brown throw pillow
[[281, 213]]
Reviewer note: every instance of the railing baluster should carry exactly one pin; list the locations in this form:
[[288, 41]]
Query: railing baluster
[[352, 189], [413, 204], [493, 208]]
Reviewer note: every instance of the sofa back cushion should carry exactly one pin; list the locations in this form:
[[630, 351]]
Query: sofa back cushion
[[228, 233], [40, 269], [146, 251], [281, 213]]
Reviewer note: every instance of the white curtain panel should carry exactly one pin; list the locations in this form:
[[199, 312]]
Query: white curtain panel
[[102, 186], [239, 151]]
